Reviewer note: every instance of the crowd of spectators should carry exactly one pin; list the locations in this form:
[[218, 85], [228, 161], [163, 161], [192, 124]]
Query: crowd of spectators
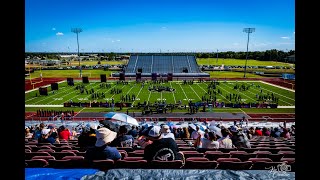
[[158, 141]]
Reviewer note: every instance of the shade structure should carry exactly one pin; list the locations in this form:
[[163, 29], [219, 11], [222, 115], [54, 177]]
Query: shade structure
[[122, 117]]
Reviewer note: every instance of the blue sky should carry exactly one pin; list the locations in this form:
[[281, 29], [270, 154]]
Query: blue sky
[[154, 25]]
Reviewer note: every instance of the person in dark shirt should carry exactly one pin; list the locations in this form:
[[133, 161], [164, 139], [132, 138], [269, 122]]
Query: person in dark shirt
[[164, 149], [133, 132], [102, 150], [123, 139]]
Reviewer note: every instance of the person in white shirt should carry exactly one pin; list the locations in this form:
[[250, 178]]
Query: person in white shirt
[[166, 133], [225, 141], [196, 133], [210, 142]]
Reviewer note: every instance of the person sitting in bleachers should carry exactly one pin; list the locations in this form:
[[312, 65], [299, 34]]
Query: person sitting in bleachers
[[275, 133], [63, 133], [265, 131], [133, 132], [87, 138], [102, 150], [49, 135], [123, 139], [185, 133], [285, 133], [258, 131], [37, 133], [210, 142], [163, 149], [166, 133], [28, 135], [239, 139], [225, 141]]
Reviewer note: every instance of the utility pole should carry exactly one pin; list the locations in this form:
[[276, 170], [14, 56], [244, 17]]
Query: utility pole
[[77, 31], [247, 30]]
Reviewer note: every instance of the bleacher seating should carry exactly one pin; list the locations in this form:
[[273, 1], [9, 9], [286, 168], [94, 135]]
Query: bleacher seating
[[268, 152]]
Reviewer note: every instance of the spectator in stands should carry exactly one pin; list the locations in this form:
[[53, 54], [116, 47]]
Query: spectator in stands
[[265, 131], [87, 138], [210, 142], [206, 133], [225, 141], [63, 133], [258, 131], [196, 133], [143, 141], [133, 132], [166, 133], [275, 133], [49, 135], [123, 139], [285, 133], [176, 133], [102, 150], [164, 149], [37, 134], [28, 135], [185, 133], [239, 139]]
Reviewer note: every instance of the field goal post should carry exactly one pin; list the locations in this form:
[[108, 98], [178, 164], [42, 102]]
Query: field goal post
[[35, 82]]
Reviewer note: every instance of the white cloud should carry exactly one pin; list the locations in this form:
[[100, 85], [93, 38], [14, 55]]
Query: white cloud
[[112, 41], [53, 29], [285, 37], [118, 40], [59, 34]]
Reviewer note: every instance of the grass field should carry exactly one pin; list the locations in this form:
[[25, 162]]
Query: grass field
[[181, 92], [74, 73], [239, 62]]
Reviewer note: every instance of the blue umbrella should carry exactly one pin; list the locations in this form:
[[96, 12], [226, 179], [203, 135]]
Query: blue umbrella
[[121, 117], [170, 124]]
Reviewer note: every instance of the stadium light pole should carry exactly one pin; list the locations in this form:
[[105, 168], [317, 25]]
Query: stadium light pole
[[247, 30], [77, 31]]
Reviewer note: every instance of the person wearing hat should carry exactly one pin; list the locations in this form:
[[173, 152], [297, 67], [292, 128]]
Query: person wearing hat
[[239, 139], [123, 139], [49, 135], [225, 141], [166, 133], [163, 149], [102, 150]]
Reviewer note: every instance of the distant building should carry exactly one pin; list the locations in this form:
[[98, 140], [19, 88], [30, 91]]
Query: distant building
[[291, 59]]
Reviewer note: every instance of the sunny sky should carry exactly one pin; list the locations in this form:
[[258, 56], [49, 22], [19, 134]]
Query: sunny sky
[[154, 25]]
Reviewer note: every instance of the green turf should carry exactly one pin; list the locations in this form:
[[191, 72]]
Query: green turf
[[91, 73], [240, 62], [182, 92]]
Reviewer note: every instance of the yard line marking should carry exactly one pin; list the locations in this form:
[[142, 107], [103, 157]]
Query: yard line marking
[[183, 92], [240, 92], [279, 94], [278, 86], [149, 96], [220, 94], [58, 92], [195, 92], [30, 99], [121, 88], [53, 95], [102, 89], [279, 99], [137, 95], [79, 111], [173, 94], [80, 94]]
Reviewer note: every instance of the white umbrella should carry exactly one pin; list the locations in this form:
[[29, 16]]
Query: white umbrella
[[216, 130], [122, 117]]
